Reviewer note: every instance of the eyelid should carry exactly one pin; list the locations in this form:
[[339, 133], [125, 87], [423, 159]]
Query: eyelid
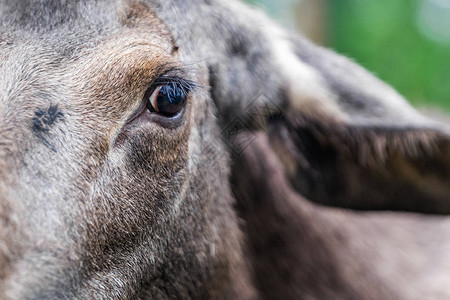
[[176, 74], [187, 85]]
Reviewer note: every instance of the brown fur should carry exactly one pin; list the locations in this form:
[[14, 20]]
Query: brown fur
[[98, 204]]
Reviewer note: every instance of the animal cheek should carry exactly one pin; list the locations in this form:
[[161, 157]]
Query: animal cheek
[[152, 155]]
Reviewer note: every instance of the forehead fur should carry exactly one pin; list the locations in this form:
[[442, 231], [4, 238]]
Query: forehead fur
[[41, 15], [48, 15]]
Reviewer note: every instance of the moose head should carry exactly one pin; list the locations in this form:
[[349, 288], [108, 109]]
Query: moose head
[[194, 149]]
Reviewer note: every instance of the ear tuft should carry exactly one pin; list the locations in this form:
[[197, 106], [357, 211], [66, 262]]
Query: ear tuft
[[370, 145]]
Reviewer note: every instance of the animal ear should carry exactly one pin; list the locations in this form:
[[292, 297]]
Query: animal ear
[[365, 166], [344, 138], [369, 150]]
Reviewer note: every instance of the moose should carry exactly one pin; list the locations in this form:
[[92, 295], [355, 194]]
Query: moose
[[162, 149]]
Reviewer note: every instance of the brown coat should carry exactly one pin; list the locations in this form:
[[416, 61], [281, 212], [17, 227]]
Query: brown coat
[[288, 173]]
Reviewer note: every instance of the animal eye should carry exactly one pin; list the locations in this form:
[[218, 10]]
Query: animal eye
[[167, 100]]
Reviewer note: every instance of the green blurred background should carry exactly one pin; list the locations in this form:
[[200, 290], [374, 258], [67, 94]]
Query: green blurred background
[[404, 42]]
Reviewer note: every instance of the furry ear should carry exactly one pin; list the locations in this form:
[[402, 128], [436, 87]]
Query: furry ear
[[377, 154], [365, 167], [345, 138]]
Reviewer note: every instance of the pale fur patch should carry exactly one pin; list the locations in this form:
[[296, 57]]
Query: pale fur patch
[[307, 89]]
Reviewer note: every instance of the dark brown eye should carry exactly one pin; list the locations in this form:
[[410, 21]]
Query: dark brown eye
[[167, 100]]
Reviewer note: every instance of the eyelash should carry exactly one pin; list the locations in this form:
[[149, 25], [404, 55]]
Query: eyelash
[[167, 95], [187, 85]]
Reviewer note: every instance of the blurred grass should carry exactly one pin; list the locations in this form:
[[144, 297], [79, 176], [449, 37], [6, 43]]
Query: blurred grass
[[384, 37]]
